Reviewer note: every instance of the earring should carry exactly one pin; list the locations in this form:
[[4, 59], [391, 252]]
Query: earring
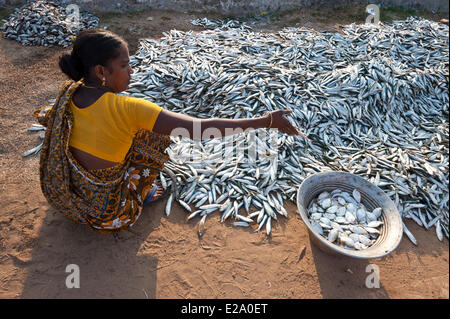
[[104, 82]]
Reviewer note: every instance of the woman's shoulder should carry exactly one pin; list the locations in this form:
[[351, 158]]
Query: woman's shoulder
[[123, 97], [132, 100]]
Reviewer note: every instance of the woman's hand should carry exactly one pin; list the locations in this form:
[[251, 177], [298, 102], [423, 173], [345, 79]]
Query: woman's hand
[[281, 123]]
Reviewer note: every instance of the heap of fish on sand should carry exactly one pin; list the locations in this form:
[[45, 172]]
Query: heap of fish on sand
[[47, 23], [372, 99]]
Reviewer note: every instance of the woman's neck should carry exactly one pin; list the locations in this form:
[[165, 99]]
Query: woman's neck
[[90, 86]]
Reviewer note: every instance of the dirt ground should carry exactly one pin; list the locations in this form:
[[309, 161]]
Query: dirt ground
[[163, 257]]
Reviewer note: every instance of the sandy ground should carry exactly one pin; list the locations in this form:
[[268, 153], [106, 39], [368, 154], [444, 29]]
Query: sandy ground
[[163, 257]]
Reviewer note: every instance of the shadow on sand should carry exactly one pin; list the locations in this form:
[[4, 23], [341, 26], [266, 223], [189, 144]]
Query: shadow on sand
[[342, 277], [109, 266]]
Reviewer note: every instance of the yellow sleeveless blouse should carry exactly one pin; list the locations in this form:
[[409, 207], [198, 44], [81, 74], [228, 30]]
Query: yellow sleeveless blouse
[[107, 127]]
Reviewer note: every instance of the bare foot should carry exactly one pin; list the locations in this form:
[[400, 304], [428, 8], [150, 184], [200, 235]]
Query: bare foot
[[159, 192]]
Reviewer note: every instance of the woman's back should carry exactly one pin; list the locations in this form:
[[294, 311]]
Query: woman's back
[[83, 98], [105, 124]]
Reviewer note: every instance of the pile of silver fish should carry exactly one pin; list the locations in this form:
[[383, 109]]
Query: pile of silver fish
[[372, 99], [263, 18], [220, 24], [343, 219], [47, 23], [226, 174]]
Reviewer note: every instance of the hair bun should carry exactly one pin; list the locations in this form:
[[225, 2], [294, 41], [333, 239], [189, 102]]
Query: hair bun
[[70, 66]]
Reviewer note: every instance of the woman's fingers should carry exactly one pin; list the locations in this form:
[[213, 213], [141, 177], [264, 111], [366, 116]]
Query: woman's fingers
[[294, 131], [284, 125], [302, 135], [289, 129]]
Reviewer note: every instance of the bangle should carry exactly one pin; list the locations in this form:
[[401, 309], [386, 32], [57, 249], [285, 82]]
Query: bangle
[[270, 125]]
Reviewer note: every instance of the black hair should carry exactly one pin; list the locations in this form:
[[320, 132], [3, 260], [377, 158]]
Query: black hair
[[91, 47]]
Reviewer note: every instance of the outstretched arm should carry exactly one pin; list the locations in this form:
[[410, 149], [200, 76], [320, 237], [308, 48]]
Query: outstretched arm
[[170, 123]]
